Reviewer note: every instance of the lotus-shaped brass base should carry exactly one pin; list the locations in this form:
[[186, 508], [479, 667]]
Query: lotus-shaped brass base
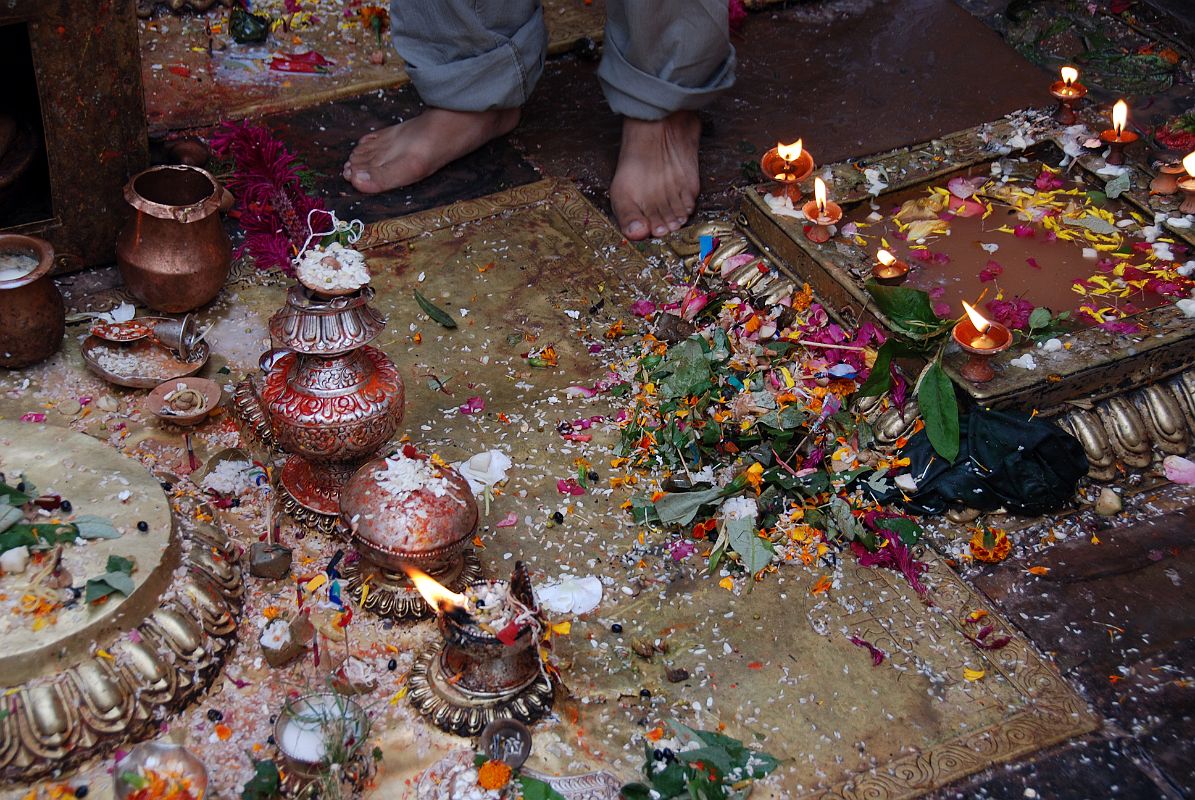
[[391, 594]]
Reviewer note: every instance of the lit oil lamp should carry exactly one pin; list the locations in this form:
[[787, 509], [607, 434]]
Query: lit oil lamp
[[889, 270], [1187, 185], [1067, 91], [1118, 137], [486, 666], [983, 339], [821, 212], [788, 165]]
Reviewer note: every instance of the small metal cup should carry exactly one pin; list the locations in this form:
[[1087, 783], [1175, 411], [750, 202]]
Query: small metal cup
[[179, 335]]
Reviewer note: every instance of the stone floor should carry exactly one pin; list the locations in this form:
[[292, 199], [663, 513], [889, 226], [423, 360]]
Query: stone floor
[[854, 77]]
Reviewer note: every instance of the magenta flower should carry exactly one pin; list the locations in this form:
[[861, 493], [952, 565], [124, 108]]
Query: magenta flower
[[643, 308], [991, 271], [474, 405]]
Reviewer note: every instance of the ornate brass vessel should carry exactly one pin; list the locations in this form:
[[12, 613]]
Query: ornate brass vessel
[[325, 397]]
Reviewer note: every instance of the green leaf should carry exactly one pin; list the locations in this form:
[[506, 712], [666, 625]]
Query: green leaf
[[537, 790], [680, 508], [120, 564], [1039, 318], [685, 371], [9, 516], [265, 783], [107, 584], [879, 380], [635, 791], [1117, 186], [902, 304], [755, 552], [906, 529], [12, 496], [435, 312], [93, 527], [939, 409], [39, 535], [133, 780]]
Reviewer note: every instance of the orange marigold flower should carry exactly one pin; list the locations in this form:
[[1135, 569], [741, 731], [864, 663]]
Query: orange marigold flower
[[990, 545], [493, 775]]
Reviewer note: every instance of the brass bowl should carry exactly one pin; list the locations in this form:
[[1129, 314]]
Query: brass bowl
[[168, 759]]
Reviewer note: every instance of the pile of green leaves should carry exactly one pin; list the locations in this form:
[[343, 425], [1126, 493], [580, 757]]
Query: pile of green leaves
[[117, 579], [919, 333], [17, 531], [718, 768]]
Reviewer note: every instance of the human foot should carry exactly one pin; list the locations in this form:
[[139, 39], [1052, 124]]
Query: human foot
[[656, 183], [411, 151]]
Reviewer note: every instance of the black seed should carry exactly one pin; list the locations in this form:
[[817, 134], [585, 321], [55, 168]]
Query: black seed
[[21, 486], [81, 791], [270, 739], [593, 476], [644, 694], [66, 508], [392, 664], [273, 718], [616, 627], [143, 526], [214, 715], [167, 485], [558, 517], [657, 754]]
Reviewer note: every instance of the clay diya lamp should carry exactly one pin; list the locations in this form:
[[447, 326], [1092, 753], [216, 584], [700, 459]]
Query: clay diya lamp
[[184, 401], [821, 212], [787, 165], [177, 765], [889, 270], [1165, 183], [404, 511], [1116, 137], [982, 339], [480, 671], [1187, 185], [1067, 92], [318, 729]]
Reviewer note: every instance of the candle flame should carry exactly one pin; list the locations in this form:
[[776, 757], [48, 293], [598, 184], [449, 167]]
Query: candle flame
[[790, 152], [885, 258], [437, 596], [1069, 75], [819, 194], [977, 319], [1189, 163], [1120, 115]]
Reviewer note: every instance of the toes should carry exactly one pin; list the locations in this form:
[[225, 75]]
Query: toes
[[363, 183]]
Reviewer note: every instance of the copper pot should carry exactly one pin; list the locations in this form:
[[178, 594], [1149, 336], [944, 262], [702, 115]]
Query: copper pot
[[174, 254], [32, 315]]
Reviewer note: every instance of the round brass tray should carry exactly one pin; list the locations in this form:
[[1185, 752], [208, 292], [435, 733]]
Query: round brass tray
[[148, 351], [110, 678]]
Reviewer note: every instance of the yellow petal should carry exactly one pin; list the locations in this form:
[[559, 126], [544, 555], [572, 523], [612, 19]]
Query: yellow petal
[[562, 628], [973, 674], [726, 583]]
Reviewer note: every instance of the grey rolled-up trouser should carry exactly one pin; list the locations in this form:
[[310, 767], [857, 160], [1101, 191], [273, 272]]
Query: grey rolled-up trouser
[[659, 56]]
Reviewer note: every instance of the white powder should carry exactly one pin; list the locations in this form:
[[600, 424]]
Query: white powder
[[403, 475], [230, 478], [335, 269], [16, 265]]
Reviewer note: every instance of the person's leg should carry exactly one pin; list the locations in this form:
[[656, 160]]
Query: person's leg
[[474, 63], [662, 60]]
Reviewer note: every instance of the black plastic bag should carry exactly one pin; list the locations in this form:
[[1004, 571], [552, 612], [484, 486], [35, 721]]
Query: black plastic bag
[[1025, 465]]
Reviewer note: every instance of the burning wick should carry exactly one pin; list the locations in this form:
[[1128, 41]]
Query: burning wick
[[982, 341], [1120, 115], [885, 258], [819, 196], [443, 600], [789, 153], [1189, 163], [1069, 76]]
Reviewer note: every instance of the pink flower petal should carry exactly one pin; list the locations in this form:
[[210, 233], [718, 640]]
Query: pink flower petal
[[33, 416], [474, 405], [580, 391], [1033, 262], [1179, 470], [1023, 231], [643, 308], [570, 487], [991, 271], [509, 521]]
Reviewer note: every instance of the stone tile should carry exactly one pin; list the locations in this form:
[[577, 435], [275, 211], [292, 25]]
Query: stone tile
[[1089, 769]]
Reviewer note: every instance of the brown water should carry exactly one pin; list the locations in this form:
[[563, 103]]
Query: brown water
[[1059, 263]]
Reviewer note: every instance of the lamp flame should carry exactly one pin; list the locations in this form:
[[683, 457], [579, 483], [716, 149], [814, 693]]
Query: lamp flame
[[1189, 163], [977, 319], [790, 152], [885, 258], [436, 595], [1069, 75], [819, 195], [1120, 115]]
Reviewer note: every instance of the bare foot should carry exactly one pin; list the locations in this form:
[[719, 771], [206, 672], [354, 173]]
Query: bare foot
[[411, 151], [656, 183]]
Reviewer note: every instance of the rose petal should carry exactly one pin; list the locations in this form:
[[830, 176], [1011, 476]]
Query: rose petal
[[509, 521], [1179, 470]]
